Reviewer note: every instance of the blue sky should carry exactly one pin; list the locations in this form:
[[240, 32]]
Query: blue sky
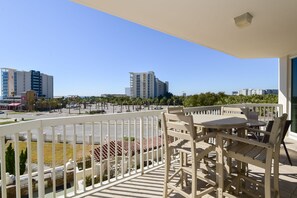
[[90, 53]]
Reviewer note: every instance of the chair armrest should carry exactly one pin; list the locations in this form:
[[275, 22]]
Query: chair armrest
[[202, 136], [244, 140], [256, 130]]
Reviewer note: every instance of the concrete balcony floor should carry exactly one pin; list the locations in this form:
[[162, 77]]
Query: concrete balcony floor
[[150, 184]]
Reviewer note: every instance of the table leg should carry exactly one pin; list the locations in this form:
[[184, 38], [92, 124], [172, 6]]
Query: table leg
[[219, 165]]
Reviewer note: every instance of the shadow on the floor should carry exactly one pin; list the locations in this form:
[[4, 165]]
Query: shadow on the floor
[[283, 157]]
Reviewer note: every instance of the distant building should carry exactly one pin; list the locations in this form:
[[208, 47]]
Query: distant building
[[147, 85], [128, 91], [244, 92], [47, 86], [271, 91], [14, 83], [8, 82], [234, 93], [249, 92]]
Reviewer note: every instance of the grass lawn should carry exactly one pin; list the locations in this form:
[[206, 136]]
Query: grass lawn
[[7, 122], [58, 153], [10, 122]]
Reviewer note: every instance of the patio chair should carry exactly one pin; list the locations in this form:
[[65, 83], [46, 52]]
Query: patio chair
[[234, 111], [187, 143], [259, 154], [265, 138], [176, 110]]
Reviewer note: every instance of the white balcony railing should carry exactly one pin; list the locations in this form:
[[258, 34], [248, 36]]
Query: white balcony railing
[[119, 145], [98, 132], [265, 111]]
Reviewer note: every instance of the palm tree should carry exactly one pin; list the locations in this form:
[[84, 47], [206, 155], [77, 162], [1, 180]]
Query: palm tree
[[53, 103], [78, 101]]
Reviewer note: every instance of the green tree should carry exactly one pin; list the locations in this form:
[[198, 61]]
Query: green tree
[[10, 160]]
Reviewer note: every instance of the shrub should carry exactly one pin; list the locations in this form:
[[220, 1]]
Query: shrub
[[89, 180], [97, 112], [10, 160], [132, 139], [87, 160]]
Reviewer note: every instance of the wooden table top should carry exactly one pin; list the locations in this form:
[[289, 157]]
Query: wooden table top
[[219, 121]]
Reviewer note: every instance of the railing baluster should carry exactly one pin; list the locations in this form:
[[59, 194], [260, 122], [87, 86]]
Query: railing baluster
[[147, 142], [3, 168], [265, 114], [116, 148], [54, 161], [101, 146], [141, 145], [92, 156], [40, 159], [162, 140], [17, 165], [155, 121], [129, 147], [153, 138], [64, 161], [108, 151], [84, 156], [29, 163], [135, 146], [123, 155], [74, 159]]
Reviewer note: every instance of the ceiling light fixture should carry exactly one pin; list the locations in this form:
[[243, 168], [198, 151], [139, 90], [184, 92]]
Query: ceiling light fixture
[[243, 20]]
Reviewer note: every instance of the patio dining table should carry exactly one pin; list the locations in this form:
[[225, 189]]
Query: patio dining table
[[221, 123]]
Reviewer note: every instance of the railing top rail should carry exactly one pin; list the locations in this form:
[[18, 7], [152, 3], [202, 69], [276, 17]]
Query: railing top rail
[[235, 105], [255, 105], [51, 122]]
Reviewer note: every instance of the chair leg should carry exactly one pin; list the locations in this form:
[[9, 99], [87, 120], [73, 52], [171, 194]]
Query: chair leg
[[166, 176], [267, 184], [276, 176], [287, 153], [194, 180], [267, 174], [181, 164]]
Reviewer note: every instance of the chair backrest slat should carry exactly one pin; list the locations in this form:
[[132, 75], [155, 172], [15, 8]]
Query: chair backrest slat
[[176, 110], [277, 130], [234, 111], [178, 126], [269, 128]]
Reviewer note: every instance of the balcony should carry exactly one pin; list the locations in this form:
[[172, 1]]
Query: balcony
[[104, 155]]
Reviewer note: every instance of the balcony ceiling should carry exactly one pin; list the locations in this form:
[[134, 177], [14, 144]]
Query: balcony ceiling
[[273, 32]]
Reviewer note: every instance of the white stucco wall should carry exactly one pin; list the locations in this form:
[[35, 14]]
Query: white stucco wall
[[283, 84], [284, 87]]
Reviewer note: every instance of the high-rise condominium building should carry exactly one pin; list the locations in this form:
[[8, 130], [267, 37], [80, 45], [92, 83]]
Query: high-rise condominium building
[[16, 82], [146, 85]]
